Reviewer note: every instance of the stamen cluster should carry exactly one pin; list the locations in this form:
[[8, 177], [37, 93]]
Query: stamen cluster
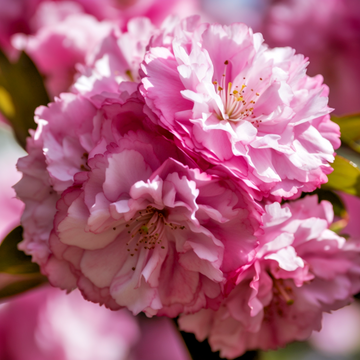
[[148, 229], [238, 100]]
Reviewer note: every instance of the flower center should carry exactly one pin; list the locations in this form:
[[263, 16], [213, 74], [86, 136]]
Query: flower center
[[283, 291], [147, 230], [238, 99], [84, 159]]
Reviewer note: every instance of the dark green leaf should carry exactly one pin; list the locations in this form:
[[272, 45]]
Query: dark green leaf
[[18, 287], [21, 91], [345, 177], [202, 350], [12, 260], [337, 203], [350, 130]]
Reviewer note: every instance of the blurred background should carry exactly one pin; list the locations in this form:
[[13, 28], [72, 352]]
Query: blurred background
[[325, 31]]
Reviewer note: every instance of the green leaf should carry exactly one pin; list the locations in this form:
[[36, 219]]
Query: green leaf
[[345, 177], [12, 260], [27, 282], [6, 105], [336, 201], [22, 90], [350, 130]]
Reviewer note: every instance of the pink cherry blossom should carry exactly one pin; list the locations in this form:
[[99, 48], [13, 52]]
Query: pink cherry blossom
[[66, 145], [115, 208], [52, 325], [116, 60], [228, 97], [301, 270], [322, 30]]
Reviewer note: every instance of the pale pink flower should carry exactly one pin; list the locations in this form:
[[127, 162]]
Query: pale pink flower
[[340, 332], [226, 96], [66, 140], [137, 225], [322, 30], [301, 270]]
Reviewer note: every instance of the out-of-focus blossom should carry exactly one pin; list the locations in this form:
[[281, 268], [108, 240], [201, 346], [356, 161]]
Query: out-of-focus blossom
[[340, 332], [10, 207], [124, 10], [137, 224], [301, 270], [14, 18], [159, 340], [52, 325], [328, 32], [352, 205], [60, 34], [62, 43], [227, 97], [28, 16], [250, 12]]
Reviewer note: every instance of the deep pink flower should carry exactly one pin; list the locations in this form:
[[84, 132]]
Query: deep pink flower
[[301, 270], [136, 223], [52, 325], [226, 96], [322, 30]]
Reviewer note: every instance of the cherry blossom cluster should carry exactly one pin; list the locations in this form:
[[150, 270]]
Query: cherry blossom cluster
[[157, 184]]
